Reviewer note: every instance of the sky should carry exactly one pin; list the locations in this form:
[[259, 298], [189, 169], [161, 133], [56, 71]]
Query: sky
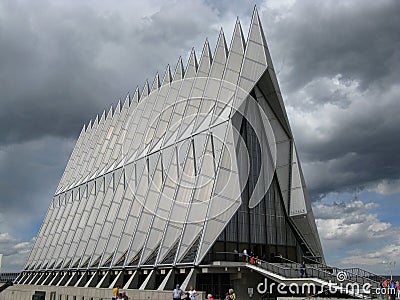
[[337, 62]]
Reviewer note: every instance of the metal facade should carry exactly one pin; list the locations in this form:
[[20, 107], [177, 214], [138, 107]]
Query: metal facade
[[156, 180]]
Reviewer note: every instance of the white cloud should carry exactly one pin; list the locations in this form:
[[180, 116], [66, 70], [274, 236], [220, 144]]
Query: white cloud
[[22, 245], [15, 252], [5, 237], [387, 187], [377, 259], [353, 222], [352, 234]]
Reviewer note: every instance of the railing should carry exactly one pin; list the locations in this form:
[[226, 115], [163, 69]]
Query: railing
[[339, 278], [6, 285], [356, 275], [290, 269], [365, 273], [343, 280], [317, 261], [363, 278], [277, 268]]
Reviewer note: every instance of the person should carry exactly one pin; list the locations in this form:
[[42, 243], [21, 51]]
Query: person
[[385, 287], [124, 296], [210, 297], [259, 261], [246, 256], [187, 296], [120, 296], [398, 289], [252, 260], [232, 294], [177, 293], [227, 296], [115, 292], [392, 290], [303, 269], [192, 293]]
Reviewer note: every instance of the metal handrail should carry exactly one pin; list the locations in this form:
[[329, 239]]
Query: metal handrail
[[330, 274], [6, 285], [365, 273], [291, 269], [350, 273]]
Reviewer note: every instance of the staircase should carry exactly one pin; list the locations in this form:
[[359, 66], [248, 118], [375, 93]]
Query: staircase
[[353, 282], [357, 275]]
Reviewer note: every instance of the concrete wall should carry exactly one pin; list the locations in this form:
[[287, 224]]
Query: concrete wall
[[25, 292]]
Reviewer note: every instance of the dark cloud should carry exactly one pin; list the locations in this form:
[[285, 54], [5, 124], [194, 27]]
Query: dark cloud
[[352, 147], [357, 39], [48, 66], [59, 66], [29, 175], [355, 149], [338, 64]]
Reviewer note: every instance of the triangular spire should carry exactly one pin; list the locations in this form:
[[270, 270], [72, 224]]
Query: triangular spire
[[255, 60], [156, 83], [256, 41], [94, 123], [236, 53], [205, 61], [89, 126], [146, 89], [179, 72], [220, 55], [110, 112], [136, 96], [103, 116], [258, 60], [118, 107], [191, 68], [127, 101], [237, 44], [167, 76]]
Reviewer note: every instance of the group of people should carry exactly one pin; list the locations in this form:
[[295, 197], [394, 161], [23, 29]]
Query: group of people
[[178, 293], [392, 289], [118, 295], [252, 259], [230, 295], [191, 294]]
